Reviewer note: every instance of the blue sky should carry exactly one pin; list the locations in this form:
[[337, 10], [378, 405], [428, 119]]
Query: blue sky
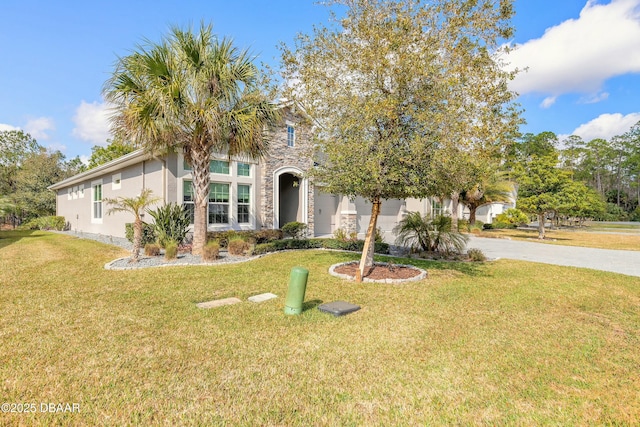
[[583, 58]]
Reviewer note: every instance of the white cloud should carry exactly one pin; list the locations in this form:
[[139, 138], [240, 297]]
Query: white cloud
[[57, 147], [578, 55], [92, 124], [548, 101], [594, 99], [38, 128], [4, 127], [606, 126]]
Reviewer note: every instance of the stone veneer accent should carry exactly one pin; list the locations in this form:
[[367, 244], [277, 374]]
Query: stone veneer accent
[[280, 155]]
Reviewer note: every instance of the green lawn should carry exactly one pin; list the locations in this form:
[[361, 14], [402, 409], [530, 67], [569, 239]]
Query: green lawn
[[508, 342]]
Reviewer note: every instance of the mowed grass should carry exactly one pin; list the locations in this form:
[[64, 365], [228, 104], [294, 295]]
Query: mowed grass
[[500, 343], [589, 238]]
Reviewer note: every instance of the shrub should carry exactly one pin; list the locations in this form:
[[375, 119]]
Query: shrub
[[476, 255], [349, 245], [511, 218], [170, 250], [267, 235], [340, 234], [152, 249], [237, 246], [171, 223], [148, 233], [211, 251], [431, 235], [379, 236], [45, 223], [295, 229]]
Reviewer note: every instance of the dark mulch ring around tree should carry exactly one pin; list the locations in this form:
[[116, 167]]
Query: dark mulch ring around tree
[[380, 272]]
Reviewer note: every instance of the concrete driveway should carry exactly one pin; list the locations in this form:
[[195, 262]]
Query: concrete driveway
[[623, 262]]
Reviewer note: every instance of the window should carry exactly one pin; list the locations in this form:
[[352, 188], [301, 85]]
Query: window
[[187, 199], [218, 203], [96, 191], [185, 165], [244, 169], [244, 203], [291, 136], [436, 208], [116, 181], [219, 166]]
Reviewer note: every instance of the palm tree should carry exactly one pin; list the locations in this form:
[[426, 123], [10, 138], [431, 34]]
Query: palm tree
[[197, 94], [135, 205], [492, 188]]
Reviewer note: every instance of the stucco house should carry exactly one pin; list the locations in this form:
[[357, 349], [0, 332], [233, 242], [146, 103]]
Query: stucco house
[[244, 195]]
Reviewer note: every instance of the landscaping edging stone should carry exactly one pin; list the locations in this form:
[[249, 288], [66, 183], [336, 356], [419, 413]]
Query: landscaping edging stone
[[421, 276]]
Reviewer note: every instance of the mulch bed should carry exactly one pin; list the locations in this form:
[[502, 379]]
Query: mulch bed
[[379, 271]]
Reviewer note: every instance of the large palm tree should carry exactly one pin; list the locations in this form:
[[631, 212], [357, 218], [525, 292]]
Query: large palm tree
[[197, 94], [135, 205]]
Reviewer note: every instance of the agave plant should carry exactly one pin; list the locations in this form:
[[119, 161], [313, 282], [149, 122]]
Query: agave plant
[[429, 234], [171, 223]]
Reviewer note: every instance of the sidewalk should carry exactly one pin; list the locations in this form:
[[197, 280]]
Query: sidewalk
[[623, 262]]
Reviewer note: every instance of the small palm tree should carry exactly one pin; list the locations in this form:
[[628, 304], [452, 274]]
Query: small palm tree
[[432, 235], [135, 205]]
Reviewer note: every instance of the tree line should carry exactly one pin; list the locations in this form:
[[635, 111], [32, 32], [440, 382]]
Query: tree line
[[27, 169]]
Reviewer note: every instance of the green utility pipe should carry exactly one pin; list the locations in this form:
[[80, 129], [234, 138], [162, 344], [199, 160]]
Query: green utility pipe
[[297, 288]]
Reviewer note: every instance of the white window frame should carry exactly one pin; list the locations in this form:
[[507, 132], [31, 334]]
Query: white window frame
[[94, 202], [227, 204], [291, 136], [248, 204], [238, 170]]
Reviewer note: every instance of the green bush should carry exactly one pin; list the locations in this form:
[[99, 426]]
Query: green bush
[[237, 246], [295, 229], [148, 233], [511, 218], [211, 251], [170, 250], [152, 249], [45, 223], [476, 255], [250, 236], [171, 223], [281, 245]]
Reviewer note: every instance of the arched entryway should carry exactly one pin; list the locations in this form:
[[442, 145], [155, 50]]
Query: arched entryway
[[290, 197]]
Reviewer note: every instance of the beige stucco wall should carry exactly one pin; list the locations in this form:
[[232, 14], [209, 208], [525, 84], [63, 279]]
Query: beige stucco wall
[[78, 210]]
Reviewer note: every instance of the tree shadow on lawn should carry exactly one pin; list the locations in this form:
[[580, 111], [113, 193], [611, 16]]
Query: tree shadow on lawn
[[9, 237], [467, 268]]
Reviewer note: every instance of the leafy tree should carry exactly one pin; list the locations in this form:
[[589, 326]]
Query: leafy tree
[[540, 183], [115, 148], [576, 200], [15, 147], [135, 205], [38, 171], [393, 82], [195, 93]]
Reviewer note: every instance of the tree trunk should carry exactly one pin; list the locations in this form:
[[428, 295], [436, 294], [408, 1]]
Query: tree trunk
[[541, 231], [472, 215], [200, 173], [455, 198], [137, 239], [366, 260]]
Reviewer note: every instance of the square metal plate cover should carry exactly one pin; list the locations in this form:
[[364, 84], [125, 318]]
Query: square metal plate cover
[[338, 308]]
